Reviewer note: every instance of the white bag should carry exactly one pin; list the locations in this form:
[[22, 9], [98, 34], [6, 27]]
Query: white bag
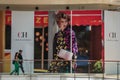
[[65, 54]]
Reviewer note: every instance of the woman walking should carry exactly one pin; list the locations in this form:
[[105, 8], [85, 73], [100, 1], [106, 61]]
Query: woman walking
[[16, 64]]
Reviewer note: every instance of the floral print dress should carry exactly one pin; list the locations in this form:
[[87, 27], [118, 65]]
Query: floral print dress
[[62, 40]]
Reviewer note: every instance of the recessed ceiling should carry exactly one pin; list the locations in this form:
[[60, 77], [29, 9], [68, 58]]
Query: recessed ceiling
[[61, 7]]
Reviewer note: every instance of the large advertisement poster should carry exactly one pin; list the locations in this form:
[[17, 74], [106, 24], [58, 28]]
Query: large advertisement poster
[[78, 32], [23, 39], [42, 35], [59, 41]]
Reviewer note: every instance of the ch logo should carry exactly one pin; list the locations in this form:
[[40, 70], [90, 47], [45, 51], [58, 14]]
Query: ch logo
[[22, 34], [112, 35]]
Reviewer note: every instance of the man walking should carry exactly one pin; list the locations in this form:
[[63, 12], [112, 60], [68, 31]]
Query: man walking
[[21, 60]]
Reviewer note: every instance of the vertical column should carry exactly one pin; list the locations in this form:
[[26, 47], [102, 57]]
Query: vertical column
[[52, 29], [42, 55], [2, 31]]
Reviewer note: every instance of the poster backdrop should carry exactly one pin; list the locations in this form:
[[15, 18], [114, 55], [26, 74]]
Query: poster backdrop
[[23, 37], [33, 32], [86, 30], [112, 41]]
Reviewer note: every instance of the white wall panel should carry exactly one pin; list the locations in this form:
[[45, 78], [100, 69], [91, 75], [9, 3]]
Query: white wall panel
[[112, 40], [23, 37]]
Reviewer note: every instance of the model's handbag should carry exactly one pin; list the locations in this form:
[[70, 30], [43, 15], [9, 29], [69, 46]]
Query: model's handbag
[[66, 55]]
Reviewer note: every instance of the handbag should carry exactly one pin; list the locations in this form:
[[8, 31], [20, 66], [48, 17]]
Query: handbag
[[13, 62], [67, 55]]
